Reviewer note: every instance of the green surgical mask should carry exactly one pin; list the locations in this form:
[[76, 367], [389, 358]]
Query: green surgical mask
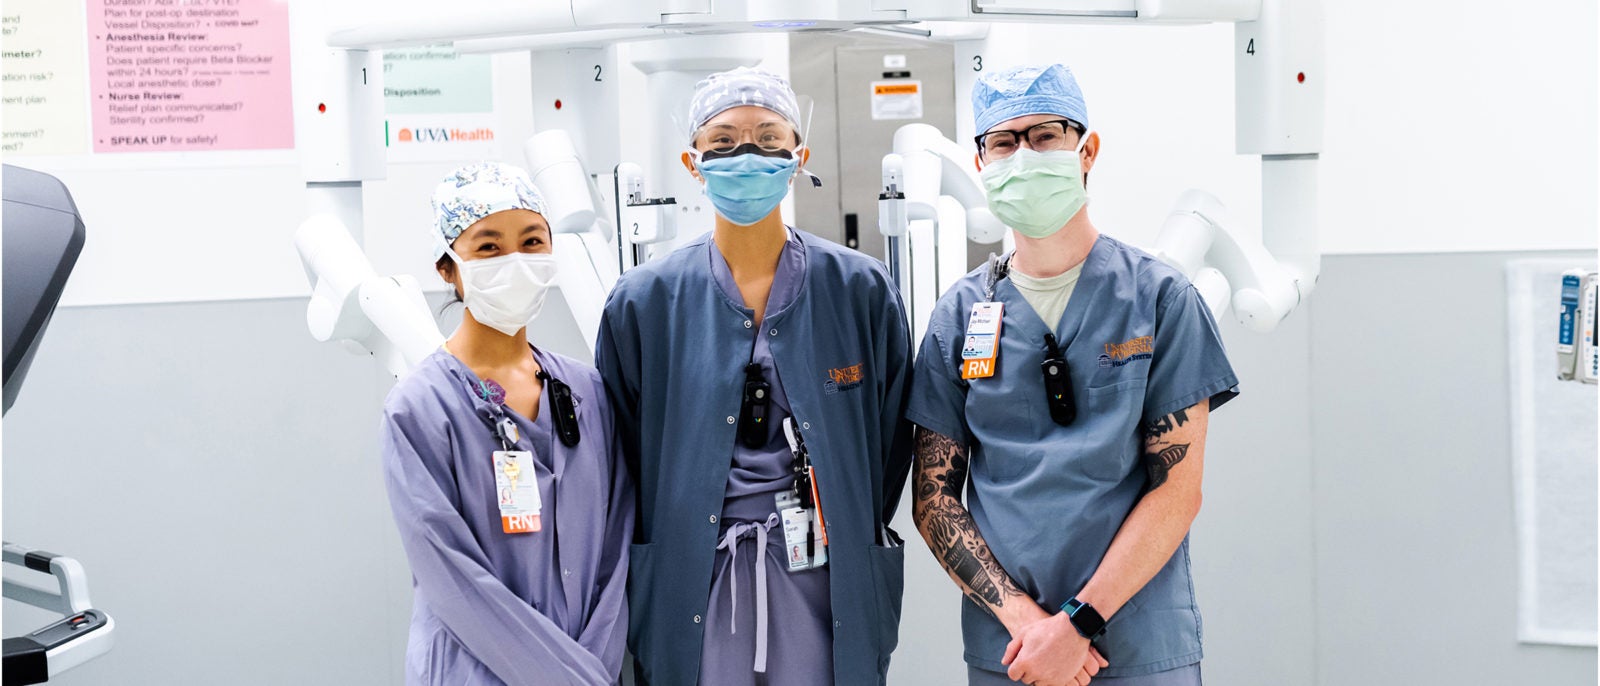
[[1036, 192]]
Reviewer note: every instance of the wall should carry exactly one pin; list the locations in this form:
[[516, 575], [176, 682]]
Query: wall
[[1416, 551]]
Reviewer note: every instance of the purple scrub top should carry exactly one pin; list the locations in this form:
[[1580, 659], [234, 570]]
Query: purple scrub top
[[493, 608]]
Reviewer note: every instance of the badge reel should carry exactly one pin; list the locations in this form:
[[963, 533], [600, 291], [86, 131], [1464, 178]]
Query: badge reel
[[805, 531], [516, 483]]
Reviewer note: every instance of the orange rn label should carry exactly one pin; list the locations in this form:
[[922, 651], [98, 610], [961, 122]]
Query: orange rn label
[[895, 89], [977, 369], [520, 523]]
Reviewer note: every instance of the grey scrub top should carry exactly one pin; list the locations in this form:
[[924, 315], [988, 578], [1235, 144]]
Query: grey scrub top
[[493, 608], [1140, 344]]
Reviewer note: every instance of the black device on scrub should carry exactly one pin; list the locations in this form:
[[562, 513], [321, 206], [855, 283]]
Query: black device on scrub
[[753, 408], [566, 414], [1057, 383]]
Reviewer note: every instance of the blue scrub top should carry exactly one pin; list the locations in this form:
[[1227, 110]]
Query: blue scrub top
[[672, 350], [1140, 344]]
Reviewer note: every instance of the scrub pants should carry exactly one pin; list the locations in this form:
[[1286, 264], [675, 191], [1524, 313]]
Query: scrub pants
[[1182, 676], [799, 636]]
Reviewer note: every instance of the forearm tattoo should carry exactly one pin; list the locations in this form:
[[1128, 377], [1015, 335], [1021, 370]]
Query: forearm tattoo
[[948, 527], [1160, 453]]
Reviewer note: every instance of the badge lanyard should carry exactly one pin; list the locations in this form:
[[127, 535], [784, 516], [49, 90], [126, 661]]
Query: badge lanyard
[[980, 347], [805, 530], [516, 477]]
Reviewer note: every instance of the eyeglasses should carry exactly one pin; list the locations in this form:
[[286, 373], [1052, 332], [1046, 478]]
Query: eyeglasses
[[1043, 137], [771, 136]]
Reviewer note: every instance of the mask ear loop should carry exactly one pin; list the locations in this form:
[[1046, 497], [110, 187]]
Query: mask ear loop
[[805, 141]]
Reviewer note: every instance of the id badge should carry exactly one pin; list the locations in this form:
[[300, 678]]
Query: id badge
[[803, 548], [980, 347], [516, 487]]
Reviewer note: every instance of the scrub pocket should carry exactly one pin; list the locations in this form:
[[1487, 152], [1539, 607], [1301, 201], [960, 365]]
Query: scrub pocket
[[889, 569], [1109, 417], [436, 657]]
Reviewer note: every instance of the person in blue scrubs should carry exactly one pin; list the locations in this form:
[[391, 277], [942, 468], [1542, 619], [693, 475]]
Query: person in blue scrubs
[[512, 501], [706, 353], [1079, 434]]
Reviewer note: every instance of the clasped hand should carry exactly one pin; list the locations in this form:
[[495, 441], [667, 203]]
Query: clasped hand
[[1051, 652]]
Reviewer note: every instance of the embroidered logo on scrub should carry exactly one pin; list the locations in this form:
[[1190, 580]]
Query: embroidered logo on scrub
[[1118, 354], [842, 379]]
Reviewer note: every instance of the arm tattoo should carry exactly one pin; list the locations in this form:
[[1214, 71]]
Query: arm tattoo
[[1165, 425], [1161, 455], [948, 527]]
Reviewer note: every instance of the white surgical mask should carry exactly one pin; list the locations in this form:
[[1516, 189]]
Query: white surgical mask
[[505, 292]]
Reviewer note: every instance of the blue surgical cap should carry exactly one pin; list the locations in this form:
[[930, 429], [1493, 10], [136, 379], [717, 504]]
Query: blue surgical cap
[[477, 191], [726, 90], [1019, 91]]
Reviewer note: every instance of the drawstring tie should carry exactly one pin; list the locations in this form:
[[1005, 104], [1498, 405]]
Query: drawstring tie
[[730, 543]]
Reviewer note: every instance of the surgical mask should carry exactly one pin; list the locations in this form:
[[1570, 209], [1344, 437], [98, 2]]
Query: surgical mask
[[505, 292], [746, 187], [1036, 193]]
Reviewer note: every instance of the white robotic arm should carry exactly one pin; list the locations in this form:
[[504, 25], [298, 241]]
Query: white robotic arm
[[383, 316]]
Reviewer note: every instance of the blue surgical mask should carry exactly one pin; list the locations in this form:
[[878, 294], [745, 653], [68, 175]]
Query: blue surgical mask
[[746, 188]]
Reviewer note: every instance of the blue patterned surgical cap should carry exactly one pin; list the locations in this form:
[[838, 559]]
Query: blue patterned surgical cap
[[726, 90], [477, 191]]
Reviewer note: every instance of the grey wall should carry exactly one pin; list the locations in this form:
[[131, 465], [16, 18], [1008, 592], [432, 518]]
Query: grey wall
[[1416, 557], [215, 470]]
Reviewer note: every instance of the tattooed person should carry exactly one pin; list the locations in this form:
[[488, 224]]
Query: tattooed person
[[1064, 390]]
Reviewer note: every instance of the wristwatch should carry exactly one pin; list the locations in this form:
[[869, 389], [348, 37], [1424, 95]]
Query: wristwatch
[[1085, 618]]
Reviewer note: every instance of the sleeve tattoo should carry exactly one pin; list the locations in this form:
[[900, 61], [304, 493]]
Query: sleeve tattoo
[[1161, 454], [948, 527]]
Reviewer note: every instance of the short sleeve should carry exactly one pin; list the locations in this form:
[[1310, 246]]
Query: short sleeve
[[1188, 363], [938, 395]]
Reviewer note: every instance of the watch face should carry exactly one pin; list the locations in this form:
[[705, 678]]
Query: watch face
[[1087, 620]]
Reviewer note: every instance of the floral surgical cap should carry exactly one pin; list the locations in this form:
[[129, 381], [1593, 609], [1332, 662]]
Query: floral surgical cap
[[477, 191]]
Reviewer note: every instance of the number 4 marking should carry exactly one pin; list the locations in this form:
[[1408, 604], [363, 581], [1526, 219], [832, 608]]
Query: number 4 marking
[[1251, 48]]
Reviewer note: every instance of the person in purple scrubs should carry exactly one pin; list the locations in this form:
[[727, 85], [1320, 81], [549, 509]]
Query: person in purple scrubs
[[513, 505]]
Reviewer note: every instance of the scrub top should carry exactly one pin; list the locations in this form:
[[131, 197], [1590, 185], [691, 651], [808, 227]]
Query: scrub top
[[546, 607], [672, 349], [1139, 344], [787, 637]]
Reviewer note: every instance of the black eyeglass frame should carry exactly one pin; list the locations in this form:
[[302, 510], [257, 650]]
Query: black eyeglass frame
[[1022, 134]]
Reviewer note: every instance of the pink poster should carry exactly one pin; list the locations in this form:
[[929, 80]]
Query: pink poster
[[170, 75]]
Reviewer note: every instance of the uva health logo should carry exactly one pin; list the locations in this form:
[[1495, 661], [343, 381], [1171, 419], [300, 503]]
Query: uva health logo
[[444, 135]]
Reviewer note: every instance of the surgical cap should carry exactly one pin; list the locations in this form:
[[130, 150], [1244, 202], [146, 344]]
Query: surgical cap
[[1010, 93], [726, 90], [477, 191]]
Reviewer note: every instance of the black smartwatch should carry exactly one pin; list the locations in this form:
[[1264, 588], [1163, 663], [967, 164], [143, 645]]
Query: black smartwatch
[[1085, 618]]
